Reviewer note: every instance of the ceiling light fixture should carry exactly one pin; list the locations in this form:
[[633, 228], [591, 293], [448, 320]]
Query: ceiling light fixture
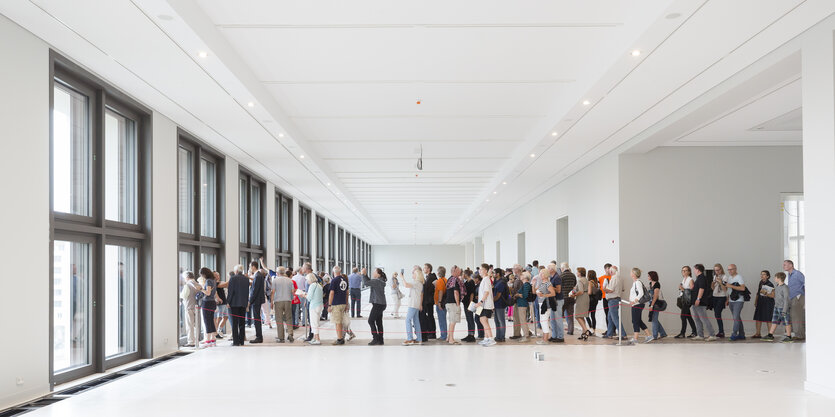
[[203, 54], [487, 200], [586, 102], [673, 16], [495, 192], [636, 52], [165, 17], [533, 155], [329, 184], [504, 182], [281, 135], [553, 133], [250, 104], [301, 156]]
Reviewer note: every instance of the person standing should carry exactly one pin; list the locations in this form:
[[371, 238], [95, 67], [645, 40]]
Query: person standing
[[337, 303], [521, 311], [500, 296], [516, 289], [720, 296], [699, 294], [797, 294], [355, 286], [782, 309], [282, 295], [378, 305], [736, 299], [580, 295], [685, 298], [316, 304], [452, 298], [188, 295], [256, 298], [595, 295], [613, 288], [569, 282], [415, 305], [601, 280], [470, 288], [438, 297], [763, 304], [427, 315], [636, 293], [396, 294], [655, 289], [238, 299], [222, 313], [547, 293], [556, 322], [485, 303], [209, 305]]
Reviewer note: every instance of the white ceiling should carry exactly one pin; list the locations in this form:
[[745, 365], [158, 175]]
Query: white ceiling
[[338, 82]]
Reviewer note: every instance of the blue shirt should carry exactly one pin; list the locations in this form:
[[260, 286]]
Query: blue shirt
[[524, 292], [555, 281], [355, 281], [797, 284], [500, 289], [340, 291]]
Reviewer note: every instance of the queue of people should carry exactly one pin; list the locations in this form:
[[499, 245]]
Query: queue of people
[[541, 302]]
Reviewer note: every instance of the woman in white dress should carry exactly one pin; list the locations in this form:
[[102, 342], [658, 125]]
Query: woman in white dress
[[396, 294]]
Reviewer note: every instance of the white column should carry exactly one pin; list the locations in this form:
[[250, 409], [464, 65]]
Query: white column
[[819, 195], [469, 253], [231, 211], [478, 251]]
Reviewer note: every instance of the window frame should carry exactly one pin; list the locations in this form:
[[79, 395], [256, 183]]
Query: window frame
[[95, 228], [321, 225], [283, 255], [247, 248], [305, 238]]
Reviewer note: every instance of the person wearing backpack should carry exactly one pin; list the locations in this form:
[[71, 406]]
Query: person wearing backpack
[[702, 296], [638, 297]]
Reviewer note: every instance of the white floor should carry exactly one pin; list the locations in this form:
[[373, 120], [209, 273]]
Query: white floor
[[755, 378]]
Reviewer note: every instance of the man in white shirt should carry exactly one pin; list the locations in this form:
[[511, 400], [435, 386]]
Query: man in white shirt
[[735, 282], [613, 288]]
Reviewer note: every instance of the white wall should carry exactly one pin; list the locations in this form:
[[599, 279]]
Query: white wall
[[588, 198], [687, 205], [164, 236], [24, 141], [396, 257]]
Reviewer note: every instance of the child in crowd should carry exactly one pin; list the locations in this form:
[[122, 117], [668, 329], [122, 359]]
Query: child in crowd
[[781, 309]]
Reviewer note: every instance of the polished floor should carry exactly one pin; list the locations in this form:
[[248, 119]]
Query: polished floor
[[669, 378]]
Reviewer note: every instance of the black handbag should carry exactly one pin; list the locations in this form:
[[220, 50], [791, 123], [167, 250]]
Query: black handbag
[[659, 305]]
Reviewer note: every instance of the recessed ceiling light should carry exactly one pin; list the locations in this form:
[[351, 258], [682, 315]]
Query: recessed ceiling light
[[586, 102], [202, 54], [533, 155], [636, 52], [329, 184], [673, 16], [301, 156], [488, 200], [504, 182], [250, 104], [165, 17], [495, 192], [553, 133], [281, 135]]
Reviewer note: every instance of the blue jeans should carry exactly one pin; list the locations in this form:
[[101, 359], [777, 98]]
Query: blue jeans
[[657, 328], [441, 313], [556, 321], [536, 306], [736, 310], [500, 319], [613, 317], [412, 321]]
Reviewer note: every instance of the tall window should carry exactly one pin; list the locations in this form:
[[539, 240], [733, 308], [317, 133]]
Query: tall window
[[198, 205], [331, 246], [349, 251], [320, 243], [340, 251], [305, 235], [99, 225], [283, 229], [794, 229], [251, 211]]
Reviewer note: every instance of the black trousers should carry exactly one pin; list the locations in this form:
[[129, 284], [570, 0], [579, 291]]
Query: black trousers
[[687, 318], [255, 311], [427, 322], [470, 322], [356, 302], [375, 320], [592, 318], [238, 318]]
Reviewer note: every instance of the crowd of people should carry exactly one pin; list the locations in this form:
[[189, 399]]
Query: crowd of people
[[540, 302]]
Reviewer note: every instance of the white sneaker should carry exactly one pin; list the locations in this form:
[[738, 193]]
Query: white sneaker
[[489, 342], [648, 339], [522, 340], [710, 339], [351, 336], [541, 342], [482, 341], [315, 342]]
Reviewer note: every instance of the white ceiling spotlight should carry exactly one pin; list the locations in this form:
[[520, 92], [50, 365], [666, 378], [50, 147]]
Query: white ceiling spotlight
[[504, 182], [533, 155], [495, 192], [553, 133], [586, 102], [203, 54], [250, 104], [636, 52], [281, 135], [301, 156], [328, 184]]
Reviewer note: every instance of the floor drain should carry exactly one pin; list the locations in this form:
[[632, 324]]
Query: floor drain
[[766, 371], [450, 385]]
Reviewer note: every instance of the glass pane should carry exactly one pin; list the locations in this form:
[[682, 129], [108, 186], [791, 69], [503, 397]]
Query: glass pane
[[242, 211], [72, 294], [208, 260], [185, 190], [120, 166], [72, 152], [256, 214], [186, 263], [208, 198], [285, 226], [120, 275]]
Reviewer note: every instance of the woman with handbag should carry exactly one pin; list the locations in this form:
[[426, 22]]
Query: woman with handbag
[[656, 306], [580, 293], [547, 292], [683, 303], [595, 295], [638, 295]]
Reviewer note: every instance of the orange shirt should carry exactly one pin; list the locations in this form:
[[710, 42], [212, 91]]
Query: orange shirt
[[602, 279], [440, 289]]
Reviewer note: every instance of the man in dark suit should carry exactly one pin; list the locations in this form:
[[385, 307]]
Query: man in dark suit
[[256, 298], [238, 300]]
